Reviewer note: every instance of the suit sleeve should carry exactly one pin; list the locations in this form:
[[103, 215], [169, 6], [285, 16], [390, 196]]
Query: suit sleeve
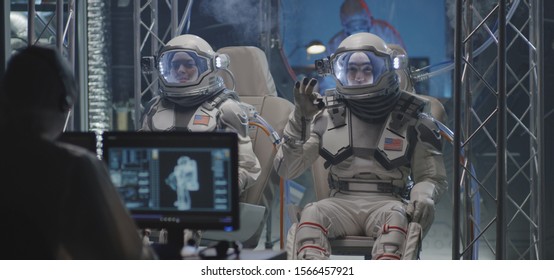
[[296, 156], [428, 160]]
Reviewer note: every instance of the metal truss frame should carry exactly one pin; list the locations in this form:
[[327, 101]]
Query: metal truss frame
[[150, 34], [67, 24], [510, 130]]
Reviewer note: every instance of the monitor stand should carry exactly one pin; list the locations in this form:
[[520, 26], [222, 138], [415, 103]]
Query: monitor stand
[[172, 249]]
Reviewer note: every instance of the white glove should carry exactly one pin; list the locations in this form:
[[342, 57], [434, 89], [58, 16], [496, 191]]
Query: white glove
[[307, 102], [421, 208]]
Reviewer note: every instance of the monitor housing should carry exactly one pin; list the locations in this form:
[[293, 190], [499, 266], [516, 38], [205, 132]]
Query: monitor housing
[[176, 180]]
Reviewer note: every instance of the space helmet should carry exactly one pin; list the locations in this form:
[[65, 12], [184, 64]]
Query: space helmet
[[188, 69], [364, 69]]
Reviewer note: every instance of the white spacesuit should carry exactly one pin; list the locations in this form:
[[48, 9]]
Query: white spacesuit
[[384, 155], [183, 180], [193, 97]]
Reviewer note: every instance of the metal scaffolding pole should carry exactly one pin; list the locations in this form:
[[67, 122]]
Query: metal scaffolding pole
[[536, 57], [457, 131], [136, 64], [31, 22], [59, 25], [501, 134], [5, 47]]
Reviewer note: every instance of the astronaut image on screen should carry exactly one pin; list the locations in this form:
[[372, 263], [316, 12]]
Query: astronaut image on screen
[[169, 178], [184, 179]]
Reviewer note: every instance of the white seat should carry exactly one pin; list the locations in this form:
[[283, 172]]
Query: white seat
[[255, 86]]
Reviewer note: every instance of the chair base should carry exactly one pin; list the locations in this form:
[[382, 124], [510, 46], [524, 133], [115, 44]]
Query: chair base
[[352, 245]]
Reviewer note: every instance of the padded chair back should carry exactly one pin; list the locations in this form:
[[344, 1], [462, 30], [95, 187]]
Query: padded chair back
[[255, 86]]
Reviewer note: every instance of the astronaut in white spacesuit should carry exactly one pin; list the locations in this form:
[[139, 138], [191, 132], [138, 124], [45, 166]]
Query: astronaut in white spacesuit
[[183, 180], [193, 97], [384, 154]]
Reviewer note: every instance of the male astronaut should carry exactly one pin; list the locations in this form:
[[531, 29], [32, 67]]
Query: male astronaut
[[376, 142], [193, 97]]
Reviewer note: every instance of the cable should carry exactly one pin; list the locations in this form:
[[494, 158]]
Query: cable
[[232, 77], [281, 212], [256, 120]]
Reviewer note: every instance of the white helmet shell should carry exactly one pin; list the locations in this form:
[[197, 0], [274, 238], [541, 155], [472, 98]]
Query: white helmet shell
[[363, 40], [192, 42], [365, 74], [188, 70], [362, 66], [404, 78]]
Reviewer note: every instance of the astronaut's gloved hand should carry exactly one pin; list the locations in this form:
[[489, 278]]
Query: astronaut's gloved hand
[[307, 102], [421, 208]]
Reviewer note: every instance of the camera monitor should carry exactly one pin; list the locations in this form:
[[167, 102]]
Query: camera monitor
[[176, 180]]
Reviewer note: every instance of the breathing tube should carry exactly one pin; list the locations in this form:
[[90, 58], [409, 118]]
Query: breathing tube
[[256, 120], [259, 122]]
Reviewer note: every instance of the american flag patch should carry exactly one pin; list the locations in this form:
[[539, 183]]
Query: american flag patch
[[393, 144], [201, 119]]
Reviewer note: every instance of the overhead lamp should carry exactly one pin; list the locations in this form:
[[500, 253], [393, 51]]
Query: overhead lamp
[[315, 47]]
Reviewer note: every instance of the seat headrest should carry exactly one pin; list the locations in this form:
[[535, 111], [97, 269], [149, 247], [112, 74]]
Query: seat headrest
[[251, 71]]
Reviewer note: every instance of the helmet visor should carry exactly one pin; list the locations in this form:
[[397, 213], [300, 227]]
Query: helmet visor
[[356, 68], [183, 67]]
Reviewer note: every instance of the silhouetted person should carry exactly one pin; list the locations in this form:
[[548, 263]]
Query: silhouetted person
[[58, 196], [356, 17]]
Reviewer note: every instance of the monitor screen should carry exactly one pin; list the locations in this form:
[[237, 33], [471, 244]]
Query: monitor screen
[[176, 180], [85, 140]]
